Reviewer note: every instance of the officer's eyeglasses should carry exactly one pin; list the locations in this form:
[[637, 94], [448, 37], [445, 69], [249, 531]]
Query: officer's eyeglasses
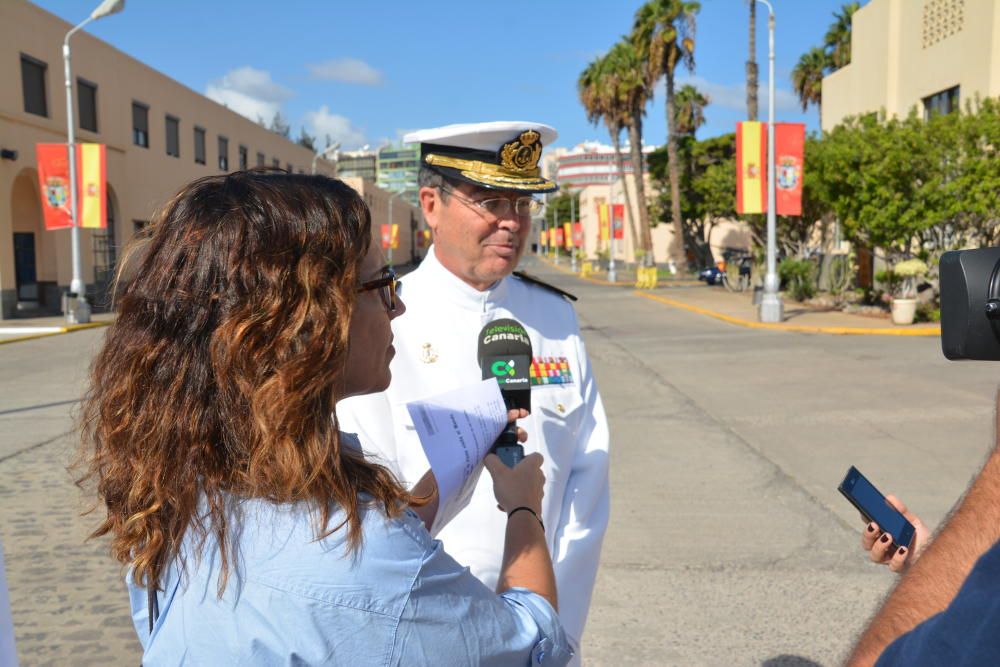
[[500, 207], [386, 285]]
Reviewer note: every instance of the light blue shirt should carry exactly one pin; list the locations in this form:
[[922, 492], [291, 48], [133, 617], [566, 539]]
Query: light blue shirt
[[293, 600]]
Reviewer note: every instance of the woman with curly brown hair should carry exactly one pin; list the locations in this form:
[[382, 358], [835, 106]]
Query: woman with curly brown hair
[[253, 531]]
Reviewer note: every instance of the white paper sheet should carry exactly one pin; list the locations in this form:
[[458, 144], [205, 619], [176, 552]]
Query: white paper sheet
[[456, 430], [8, 656]]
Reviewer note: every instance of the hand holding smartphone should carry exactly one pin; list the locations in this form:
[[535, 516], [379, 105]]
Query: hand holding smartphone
[[874, 507]]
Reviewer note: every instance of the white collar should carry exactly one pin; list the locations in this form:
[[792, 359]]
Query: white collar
[[450, 287]]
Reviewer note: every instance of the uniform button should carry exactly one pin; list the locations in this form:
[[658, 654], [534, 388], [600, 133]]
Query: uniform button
[[560, 407]]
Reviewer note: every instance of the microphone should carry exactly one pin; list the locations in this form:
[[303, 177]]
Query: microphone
[[505, 354]]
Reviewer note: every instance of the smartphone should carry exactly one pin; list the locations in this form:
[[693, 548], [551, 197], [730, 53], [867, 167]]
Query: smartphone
[[874, 507]]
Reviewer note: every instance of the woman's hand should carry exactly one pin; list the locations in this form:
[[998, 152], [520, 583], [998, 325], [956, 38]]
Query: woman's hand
[[879, 544], [520, 486]]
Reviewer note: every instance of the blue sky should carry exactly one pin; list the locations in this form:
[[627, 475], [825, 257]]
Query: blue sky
[[365, 72]]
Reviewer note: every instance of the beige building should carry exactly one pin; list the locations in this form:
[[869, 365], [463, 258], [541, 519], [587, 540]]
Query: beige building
[[931, 55], [159, 135]]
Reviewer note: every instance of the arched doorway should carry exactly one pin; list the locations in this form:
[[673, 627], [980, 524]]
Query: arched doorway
[[35, 266], [105, 257]]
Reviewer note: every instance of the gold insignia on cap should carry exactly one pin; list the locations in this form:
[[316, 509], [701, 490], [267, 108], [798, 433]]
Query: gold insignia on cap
[[521, 155]]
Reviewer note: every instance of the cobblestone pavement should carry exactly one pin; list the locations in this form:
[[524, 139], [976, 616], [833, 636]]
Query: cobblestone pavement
[[68, 599]]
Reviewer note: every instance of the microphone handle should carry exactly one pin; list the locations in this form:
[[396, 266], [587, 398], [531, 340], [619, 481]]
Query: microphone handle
[[507, 448]]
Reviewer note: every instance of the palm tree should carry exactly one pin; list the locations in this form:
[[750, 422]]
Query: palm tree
[[631, 93], [752, 64], [664, 35], [807, 77], [838, 38], [689, 110], [599, 99]]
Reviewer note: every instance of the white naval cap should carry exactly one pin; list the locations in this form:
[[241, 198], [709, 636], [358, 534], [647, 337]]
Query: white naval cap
[[501, 155]]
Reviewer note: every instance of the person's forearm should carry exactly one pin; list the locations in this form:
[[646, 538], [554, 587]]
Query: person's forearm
[[426, 488], [933, 581], [526, 560]]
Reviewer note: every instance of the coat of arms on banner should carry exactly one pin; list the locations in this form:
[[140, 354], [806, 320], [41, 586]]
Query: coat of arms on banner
[[55, 192], [789, 173]]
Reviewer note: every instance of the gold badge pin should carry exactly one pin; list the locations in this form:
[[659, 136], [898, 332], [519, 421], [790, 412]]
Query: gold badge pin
[[428, 354], [560, 407]]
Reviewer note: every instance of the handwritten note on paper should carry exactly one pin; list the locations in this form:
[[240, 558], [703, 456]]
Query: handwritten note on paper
[[456, 430], [8, 656]]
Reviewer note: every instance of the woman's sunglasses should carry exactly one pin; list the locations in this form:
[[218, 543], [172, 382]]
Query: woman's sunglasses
[[386, 286]]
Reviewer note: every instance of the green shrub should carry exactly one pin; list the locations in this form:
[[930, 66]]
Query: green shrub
[[799, 277]]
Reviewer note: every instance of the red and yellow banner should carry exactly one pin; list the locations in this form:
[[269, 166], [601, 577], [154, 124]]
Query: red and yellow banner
[[618, 220], [53, 181], [424, 238], [789, 152], [558, 236], [604, 221], [568, 235], [390, 237], [751, 169], [578, 234]]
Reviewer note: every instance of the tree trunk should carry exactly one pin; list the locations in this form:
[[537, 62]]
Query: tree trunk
[[635, 139], [619, 163], [676, 250], [752, 65]]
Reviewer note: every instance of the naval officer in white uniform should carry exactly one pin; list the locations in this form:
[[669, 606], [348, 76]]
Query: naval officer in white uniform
[[478, 190]]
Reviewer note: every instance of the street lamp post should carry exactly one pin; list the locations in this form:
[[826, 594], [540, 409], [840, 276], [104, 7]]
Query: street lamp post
[[81, 312], [771, 308], [325, 153], [572, 226], [612, 276]]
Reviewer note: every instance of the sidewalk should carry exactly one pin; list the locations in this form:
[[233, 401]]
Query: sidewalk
[[738, 308], [29, 328]]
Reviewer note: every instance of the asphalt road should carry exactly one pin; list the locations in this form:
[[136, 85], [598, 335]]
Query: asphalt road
[[729, 544]]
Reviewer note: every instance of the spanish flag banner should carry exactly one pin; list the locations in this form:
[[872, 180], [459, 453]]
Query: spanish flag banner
[[751, 161], [578, 234], [789, 154], [390, 237], [53, 181], [618, 220], [603, 221], [568, 235], [93, 184], [558, 231]]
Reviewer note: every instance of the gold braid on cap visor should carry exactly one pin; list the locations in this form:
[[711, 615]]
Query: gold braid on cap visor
[[491, 174]]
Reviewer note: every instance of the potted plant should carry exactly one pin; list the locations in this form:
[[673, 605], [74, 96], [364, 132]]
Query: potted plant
[[904, 302]]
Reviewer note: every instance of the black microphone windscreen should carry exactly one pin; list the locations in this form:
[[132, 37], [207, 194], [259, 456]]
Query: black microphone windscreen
[[505, 354]]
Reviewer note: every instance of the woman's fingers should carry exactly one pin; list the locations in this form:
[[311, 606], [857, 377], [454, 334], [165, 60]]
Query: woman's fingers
[[880, 550], [898, 561], [869, 536]]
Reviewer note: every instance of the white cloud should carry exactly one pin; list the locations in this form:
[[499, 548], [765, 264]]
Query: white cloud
[[249, 92], [321, 123], [734, 96], [346, 70]]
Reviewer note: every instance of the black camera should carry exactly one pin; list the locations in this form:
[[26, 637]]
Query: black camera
[[970, 304]]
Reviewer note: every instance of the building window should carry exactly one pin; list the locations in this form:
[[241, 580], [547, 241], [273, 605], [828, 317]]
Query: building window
[[173, 136], [223, 154], [199, 145], [276, 163], [140, 124], [261, 160], [941, 103], [33, 85], [86, 104], [243, 158]]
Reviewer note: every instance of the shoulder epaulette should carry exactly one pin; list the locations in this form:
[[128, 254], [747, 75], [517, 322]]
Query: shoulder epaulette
[[541, 283]]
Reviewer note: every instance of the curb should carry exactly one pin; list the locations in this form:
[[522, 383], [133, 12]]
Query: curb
[[598, 281], [69, 328], [795, 328]]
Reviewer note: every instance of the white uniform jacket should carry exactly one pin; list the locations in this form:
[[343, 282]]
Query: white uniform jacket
[[436, 351]]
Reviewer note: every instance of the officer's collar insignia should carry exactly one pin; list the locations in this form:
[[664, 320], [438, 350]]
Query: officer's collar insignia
[[521, 155], [550, 370], [428, 354]]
